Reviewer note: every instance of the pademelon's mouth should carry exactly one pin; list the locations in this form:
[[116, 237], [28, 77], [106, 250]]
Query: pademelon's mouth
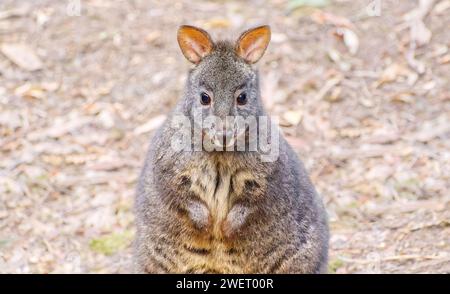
[[224, 142]]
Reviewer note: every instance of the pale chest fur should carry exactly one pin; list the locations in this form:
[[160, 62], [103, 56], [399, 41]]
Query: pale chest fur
[[219, 186]]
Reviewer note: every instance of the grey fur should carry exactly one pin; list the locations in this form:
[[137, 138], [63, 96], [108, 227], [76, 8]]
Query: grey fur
[[268, 219]]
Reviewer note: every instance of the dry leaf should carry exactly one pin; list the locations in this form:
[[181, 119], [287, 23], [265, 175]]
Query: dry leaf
[[30, 91], [419, 12], [432, 129], [153, 36], [385, 135], [441, 7], [15, 12], [439, 49], [322, 17], [60, 127], [415, 64], [278, 38], [335, 95], [420, 34], [351, 40], [429, 85], [150, 125], [334, 55], [110, 165], [444, 59], [327, 87], [391, 74], [22, 55], [296, 142], [106, 118], [217, 23], [293, 117], [404, 97]]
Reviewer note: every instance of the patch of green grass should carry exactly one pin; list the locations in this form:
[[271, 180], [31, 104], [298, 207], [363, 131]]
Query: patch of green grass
[[294, 4], [112, 243], [409, 188], [334, 265], [3, 242]]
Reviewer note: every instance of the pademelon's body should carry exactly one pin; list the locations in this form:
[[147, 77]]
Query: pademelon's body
[[221, 211]]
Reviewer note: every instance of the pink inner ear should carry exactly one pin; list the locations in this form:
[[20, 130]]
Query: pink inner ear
[[194, 51], [195, 43], [198, 49], [252, 51], [253, 43]]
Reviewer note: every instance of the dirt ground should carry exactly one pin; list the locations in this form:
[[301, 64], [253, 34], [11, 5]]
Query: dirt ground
[[362, 90]]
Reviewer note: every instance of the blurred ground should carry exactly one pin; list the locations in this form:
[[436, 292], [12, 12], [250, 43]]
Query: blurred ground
[[364, 99]]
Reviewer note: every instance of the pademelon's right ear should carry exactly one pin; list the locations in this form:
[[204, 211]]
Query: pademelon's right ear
[[195, 43], [252, 44]]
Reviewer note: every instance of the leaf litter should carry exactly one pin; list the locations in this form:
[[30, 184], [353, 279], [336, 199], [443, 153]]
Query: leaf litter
[[365, 106]]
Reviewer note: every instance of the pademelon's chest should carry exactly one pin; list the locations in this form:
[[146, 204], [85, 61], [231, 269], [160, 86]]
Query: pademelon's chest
[[219, 186]]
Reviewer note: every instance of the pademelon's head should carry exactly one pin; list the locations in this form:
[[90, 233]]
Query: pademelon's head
[[223, 82]]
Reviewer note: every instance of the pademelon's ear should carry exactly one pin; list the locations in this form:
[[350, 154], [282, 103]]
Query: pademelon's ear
[[195, 43], [252, 43]]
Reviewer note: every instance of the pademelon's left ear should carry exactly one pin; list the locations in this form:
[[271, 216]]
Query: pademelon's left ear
[[252, 43], [195, 43]]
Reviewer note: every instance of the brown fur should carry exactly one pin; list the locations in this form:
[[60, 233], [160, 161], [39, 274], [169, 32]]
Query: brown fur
[[226, 212]]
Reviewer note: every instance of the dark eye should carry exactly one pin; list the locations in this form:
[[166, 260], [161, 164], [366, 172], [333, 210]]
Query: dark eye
[[241, 99], [205, 99]]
